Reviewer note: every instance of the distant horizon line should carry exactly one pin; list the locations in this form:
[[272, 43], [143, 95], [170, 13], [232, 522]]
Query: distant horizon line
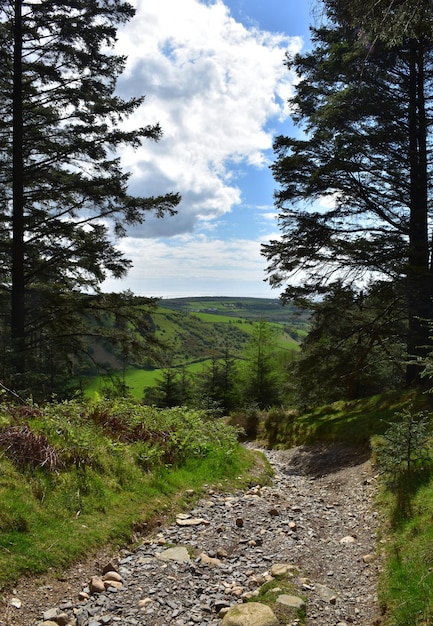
[[176, 295]]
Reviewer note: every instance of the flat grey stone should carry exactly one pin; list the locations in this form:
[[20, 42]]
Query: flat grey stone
[[178, 554], [250, 614], [291, 601]]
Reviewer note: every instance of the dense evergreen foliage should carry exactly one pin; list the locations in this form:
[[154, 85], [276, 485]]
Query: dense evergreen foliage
[[64, 197], [354, 194], [229, 380], [354, 348]]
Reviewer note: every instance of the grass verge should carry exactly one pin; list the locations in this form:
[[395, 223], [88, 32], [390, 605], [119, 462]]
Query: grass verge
[[406, 583], [353, 422]]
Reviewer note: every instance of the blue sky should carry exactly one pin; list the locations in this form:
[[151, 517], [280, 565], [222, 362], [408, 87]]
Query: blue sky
[[214, 77]]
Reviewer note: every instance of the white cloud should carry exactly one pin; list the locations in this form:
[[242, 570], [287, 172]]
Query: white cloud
[[216, 87], [187, 263]]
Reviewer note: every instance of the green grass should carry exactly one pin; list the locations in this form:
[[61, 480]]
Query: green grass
[[194, 338], [136, 379], [353, 422], [214, 318], [283, 339], [406, 587]]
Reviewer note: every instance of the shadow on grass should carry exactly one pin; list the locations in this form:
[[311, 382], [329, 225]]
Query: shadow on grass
[[405, 487], [352, 422]]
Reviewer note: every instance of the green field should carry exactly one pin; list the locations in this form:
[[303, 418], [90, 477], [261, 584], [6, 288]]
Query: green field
[[135, 379], [244, 308], [195, 330]]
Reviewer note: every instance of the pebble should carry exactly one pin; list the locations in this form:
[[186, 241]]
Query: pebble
[[310, 530]]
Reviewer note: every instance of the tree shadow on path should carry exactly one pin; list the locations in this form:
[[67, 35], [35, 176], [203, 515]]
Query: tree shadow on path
[[325, 458]]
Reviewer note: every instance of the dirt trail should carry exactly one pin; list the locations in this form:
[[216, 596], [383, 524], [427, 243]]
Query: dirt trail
[[317, 514]]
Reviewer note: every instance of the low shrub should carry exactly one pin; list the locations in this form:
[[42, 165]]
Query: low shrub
[[405, 447], [28, 449], [74, 475]]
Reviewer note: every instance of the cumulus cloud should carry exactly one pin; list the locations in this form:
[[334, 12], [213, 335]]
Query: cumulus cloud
[[217, 88], [213, 266]]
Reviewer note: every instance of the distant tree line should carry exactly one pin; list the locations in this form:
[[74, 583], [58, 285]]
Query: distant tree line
[[227, 382]]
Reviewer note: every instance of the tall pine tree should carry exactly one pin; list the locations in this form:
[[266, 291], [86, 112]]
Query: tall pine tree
[[365, 108], [64, 197]]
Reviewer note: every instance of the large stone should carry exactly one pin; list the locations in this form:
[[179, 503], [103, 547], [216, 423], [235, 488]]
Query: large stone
[[208, 560], [221, 553], [283, 569], [112, 576], [291, 601], [111, 566], [96, 585], [347, 540], [190, 521], [178, 553], [113, 584], [327, 594], [250, 614], [50, 615], [60, 619]]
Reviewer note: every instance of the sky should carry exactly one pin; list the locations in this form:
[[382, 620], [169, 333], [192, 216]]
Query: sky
[[214, 77]]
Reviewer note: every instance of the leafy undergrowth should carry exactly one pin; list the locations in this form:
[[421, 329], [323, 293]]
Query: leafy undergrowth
[[75, 476]]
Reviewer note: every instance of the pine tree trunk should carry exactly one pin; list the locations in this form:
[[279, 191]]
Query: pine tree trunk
[[419, 276], [18, 304]]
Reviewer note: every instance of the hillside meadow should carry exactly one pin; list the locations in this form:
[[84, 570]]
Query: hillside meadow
[[196, 330]]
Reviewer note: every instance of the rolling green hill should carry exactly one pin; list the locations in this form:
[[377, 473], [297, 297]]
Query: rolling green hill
[[199, 328], [195, 330], [246, 308]]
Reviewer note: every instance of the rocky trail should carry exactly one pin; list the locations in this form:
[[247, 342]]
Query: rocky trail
[[313, 528]]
